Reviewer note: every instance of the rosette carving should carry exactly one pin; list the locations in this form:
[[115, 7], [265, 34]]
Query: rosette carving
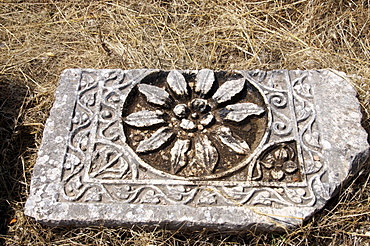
[[191, 124]]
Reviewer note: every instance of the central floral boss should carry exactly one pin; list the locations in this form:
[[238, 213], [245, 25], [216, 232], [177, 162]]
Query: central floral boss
[[186, 113]]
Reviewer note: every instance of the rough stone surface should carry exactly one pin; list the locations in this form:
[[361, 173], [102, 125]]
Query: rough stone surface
[[259, 150]]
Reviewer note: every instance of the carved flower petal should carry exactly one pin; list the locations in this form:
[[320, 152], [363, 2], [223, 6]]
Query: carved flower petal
[[281, 154], [178, 155], [240, 111], [290, 167], [234, 142], [204, 81], [228, 90], [267, 164], [155, 94], [277, 174], [144, 118], [157, 140], [268, 161], [206, 154], [177, 83]]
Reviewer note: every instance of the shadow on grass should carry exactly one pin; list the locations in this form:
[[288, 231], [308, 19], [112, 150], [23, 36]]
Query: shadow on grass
[[14, 141]]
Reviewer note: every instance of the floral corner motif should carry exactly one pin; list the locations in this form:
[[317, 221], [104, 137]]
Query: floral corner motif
[[278, 163]]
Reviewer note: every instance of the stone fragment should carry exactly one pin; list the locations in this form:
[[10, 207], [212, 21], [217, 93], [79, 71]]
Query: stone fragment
[[126, 147]]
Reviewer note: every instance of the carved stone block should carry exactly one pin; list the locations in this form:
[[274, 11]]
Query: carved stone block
[[227, 150]]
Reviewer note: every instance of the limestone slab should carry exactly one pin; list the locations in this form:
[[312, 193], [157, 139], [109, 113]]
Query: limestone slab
[[225, 150]]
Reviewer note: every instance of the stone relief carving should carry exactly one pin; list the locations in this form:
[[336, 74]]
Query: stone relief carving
[[277, 163], [194, 126], [199, 138]]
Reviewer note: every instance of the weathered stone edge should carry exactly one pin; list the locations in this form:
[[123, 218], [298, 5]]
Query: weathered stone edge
[[49, 211], [355, 140]]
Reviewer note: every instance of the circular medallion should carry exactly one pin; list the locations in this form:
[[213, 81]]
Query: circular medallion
[[198, 126]]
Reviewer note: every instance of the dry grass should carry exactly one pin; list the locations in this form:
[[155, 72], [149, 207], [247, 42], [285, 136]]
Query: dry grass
[[38, 39]]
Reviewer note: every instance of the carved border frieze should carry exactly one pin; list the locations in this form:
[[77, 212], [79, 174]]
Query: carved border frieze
[[285, 168]]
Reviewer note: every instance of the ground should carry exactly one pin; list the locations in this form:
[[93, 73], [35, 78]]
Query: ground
[[39, 39]]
